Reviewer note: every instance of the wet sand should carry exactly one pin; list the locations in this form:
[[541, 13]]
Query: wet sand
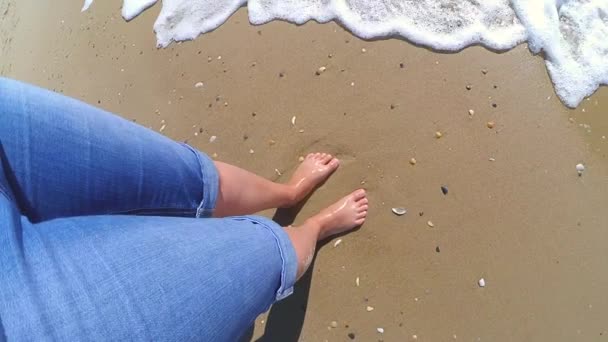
[[525, 222]]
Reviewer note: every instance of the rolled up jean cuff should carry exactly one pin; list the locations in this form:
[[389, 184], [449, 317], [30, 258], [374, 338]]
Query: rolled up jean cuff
[[210, 184], [289, 270]]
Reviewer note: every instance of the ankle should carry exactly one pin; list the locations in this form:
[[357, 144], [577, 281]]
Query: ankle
[[316, 225]]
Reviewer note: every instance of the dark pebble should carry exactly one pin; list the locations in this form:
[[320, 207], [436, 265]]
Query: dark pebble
[[444, 190], [351, 336], [401, 65], [200, 130], [245, 137], [437, 249], [468, 87], [253, 114], [281, 75], [421, 213], [392, 106], [494, 105]]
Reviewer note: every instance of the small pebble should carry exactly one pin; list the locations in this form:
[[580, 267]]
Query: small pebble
[[293, 121], [212, 138], [339, 241], [437, 249], [580, 168], [492, 159], [320, 70], [490, 124], [471, 112], [271, 142], [251, 151], [413, 161], [363, 50], [430, 224], [401, 65], [162, 128], [468, 87], [198, 85], [415, 337], [481, 282], [438, 135], [301, 131], [352, 84], [369, 308], [484, 71], [351, 336], [380, 330], [444, 190], [278, 172], [214, 155], [333, 324], [357, 281], [301, 159]]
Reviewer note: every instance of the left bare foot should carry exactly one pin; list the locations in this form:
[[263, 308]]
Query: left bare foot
[[315, 169]]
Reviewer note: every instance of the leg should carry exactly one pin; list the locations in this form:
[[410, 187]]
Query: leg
[[242, 192], [140, 277], [66, 158]]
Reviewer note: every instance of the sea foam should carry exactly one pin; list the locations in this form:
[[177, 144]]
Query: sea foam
[[572, 35]]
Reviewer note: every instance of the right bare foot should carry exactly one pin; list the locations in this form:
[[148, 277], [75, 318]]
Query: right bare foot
[[315, 169], [346, 214]]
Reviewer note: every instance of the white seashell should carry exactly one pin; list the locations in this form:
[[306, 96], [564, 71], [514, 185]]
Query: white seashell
[[278, 172], [198, 85], [320, 70], [369, 308], [481, 282], [162, 128], [293, 120], [399, 211], [357, 281], [212, 139], [339, 241], [380, 330], [430, 224], [580, 168]]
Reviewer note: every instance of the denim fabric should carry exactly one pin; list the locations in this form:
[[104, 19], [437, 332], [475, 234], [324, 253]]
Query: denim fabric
[[70, 271]]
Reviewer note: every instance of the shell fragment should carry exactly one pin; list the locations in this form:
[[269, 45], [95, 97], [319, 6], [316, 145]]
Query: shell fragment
[[399, 211]]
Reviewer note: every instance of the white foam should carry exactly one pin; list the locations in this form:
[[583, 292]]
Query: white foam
[[132, 8], [87, 4], [571, 34]]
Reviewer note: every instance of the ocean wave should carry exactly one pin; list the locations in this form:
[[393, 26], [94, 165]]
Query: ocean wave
[[572, 35]]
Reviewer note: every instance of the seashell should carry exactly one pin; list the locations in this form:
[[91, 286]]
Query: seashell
[[399, 211], [481, 282]]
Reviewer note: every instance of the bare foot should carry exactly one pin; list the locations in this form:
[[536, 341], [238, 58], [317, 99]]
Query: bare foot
[[346, 214], [315, 168]]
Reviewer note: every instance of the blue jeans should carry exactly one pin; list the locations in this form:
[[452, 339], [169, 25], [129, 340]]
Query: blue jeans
[[105, 235]]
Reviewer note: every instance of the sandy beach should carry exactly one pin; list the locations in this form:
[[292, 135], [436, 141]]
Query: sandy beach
[[516, 212]]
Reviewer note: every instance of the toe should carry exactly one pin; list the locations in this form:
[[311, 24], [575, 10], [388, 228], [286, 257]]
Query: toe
[[361, 215], [310, 155], [362, 208], [359, 194], [333, 164], [326, 158], [360, 221], [363, 201]]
